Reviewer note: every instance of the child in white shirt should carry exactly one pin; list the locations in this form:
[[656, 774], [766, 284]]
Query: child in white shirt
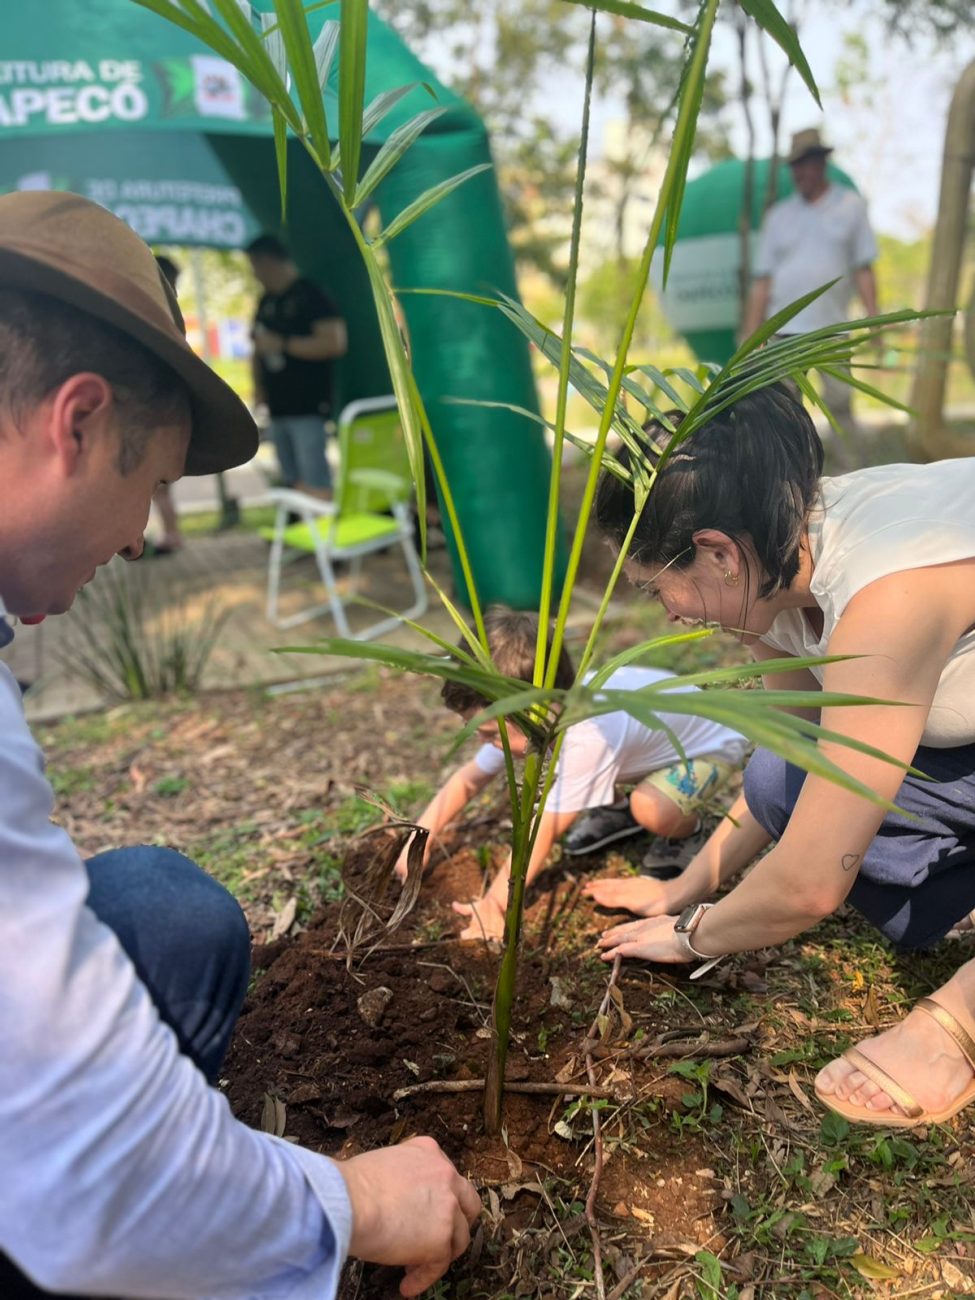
[[599, 758]]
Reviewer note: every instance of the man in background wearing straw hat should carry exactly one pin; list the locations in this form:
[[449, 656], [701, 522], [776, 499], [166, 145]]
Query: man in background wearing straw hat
[[820, 233], [123, 1172]]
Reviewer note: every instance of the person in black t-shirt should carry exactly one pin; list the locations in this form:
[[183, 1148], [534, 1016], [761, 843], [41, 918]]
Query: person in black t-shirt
[[297, 333]]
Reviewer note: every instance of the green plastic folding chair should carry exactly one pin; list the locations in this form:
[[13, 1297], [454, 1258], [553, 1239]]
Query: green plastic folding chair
[[370, 514]]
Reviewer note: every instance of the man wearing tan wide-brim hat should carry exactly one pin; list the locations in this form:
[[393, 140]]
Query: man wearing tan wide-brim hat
[[123, 1172], [818, 234]]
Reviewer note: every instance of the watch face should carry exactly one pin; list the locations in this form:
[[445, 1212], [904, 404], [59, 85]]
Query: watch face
[[686, 917]]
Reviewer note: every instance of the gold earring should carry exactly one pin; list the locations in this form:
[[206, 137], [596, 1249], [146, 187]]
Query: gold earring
[[730, 579]]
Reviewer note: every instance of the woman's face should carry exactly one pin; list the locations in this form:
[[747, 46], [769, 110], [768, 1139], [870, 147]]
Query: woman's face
[[718, 587]]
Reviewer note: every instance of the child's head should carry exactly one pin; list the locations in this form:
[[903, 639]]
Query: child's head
[[512, 636]]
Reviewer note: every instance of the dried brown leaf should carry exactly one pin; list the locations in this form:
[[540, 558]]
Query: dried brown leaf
[[795, 1087], [871, 1008], [273, 1115], [285, 919], [626, 1020]]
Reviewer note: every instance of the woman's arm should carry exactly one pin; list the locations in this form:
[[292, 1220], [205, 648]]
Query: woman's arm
[[901, 629], [794, 679], [735, 842], [738, 838]]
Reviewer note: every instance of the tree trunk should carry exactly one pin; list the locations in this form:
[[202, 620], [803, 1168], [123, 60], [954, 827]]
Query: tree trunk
[[928, 439]]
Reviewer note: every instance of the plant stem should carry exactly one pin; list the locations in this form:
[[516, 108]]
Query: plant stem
[[504, 992], [597, 1137], [699, 58], [555, 483]]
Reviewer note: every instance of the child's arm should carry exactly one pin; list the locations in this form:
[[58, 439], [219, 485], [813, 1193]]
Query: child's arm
[[451, 798], [728, 851], [487, 915]]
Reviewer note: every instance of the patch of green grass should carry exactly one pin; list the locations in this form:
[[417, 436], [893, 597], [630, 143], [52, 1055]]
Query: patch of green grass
[[365, 682], [229, 856], [349, 817], [84, 729], [67, 781], [408, 797], [328, 880], [168, 787], [200, 523]]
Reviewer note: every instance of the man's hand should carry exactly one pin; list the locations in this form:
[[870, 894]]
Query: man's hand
[[410, 1207], [267, 343], [652, 940]]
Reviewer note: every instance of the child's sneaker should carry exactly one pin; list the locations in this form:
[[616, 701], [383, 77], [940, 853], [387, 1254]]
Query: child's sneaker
[[600, 827], [666, 859]]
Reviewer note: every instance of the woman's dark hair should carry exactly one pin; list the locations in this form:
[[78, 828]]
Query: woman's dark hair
[[752, 472]]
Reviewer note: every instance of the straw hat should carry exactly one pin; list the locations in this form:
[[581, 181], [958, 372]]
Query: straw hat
[[76, 251], [805, 143]]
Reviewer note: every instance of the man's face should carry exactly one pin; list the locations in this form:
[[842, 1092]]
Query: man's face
[[268, 272], [77, 510], [809, 175]]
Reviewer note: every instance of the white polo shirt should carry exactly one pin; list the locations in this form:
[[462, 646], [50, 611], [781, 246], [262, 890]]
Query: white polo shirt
[[121, 1171], [804, 245]]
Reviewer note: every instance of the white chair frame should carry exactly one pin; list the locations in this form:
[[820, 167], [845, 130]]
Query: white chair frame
[[311, 511]]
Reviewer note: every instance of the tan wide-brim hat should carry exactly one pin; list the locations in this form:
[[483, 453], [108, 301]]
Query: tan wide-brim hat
[[79, 253], [805, 143]]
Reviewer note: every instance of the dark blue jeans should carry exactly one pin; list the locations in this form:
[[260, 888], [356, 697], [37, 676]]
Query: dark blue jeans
[[917, 879], [189, 942]]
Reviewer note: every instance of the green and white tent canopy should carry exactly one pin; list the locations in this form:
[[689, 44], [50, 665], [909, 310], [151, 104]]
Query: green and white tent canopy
[[104, 98]]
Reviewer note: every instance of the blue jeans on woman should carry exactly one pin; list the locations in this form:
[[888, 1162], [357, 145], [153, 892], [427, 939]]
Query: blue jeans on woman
[[917, 878], [189, 942]]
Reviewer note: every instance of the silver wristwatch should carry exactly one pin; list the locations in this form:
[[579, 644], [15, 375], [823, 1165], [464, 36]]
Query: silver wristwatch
[[686, 924]]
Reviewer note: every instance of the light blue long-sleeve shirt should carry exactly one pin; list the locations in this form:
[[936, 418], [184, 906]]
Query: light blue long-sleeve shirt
[[122, 1172]]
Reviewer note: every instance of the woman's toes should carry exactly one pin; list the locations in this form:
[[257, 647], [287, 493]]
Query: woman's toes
[[828, 1079], [864, 1093], [880, 1101], [840, 1079]]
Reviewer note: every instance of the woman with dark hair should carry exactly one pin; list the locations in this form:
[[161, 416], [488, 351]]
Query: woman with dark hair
[[876, 567]]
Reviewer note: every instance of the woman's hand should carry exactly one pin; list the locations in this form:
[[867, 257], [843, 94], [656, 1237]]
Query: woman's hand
[[640, 894], [652, 940]]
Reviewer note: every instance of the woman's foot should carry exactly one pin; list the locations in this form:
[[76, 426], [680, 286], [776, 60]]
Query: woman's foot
[[638, 894], [487, 918], [918, 1054]]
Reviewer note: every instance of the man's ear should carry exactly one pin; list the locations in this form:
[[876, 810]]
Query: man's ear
[[79, 413]]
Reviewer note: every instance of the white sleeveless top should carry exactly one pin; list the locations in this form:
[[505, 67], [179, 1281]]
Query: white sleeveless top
[[879, 521]]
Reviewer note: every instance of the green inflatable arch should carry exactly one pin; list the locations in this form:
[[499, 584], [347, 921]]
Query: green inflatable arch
[[108, 100]]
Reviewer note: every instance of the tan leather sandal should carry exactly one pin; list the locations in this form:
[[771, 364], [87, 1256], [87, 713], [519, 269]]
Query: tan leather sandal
[[914, 1114]]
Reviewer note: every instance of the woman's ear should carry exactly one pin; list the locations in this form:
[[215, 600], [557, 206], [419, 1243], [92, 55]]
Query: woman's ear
[[719, 551]]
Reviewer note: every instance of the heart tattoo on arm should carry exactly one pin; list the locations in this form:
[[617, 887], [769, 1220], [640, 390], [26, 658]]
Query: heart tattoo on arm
[[850, 861]]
